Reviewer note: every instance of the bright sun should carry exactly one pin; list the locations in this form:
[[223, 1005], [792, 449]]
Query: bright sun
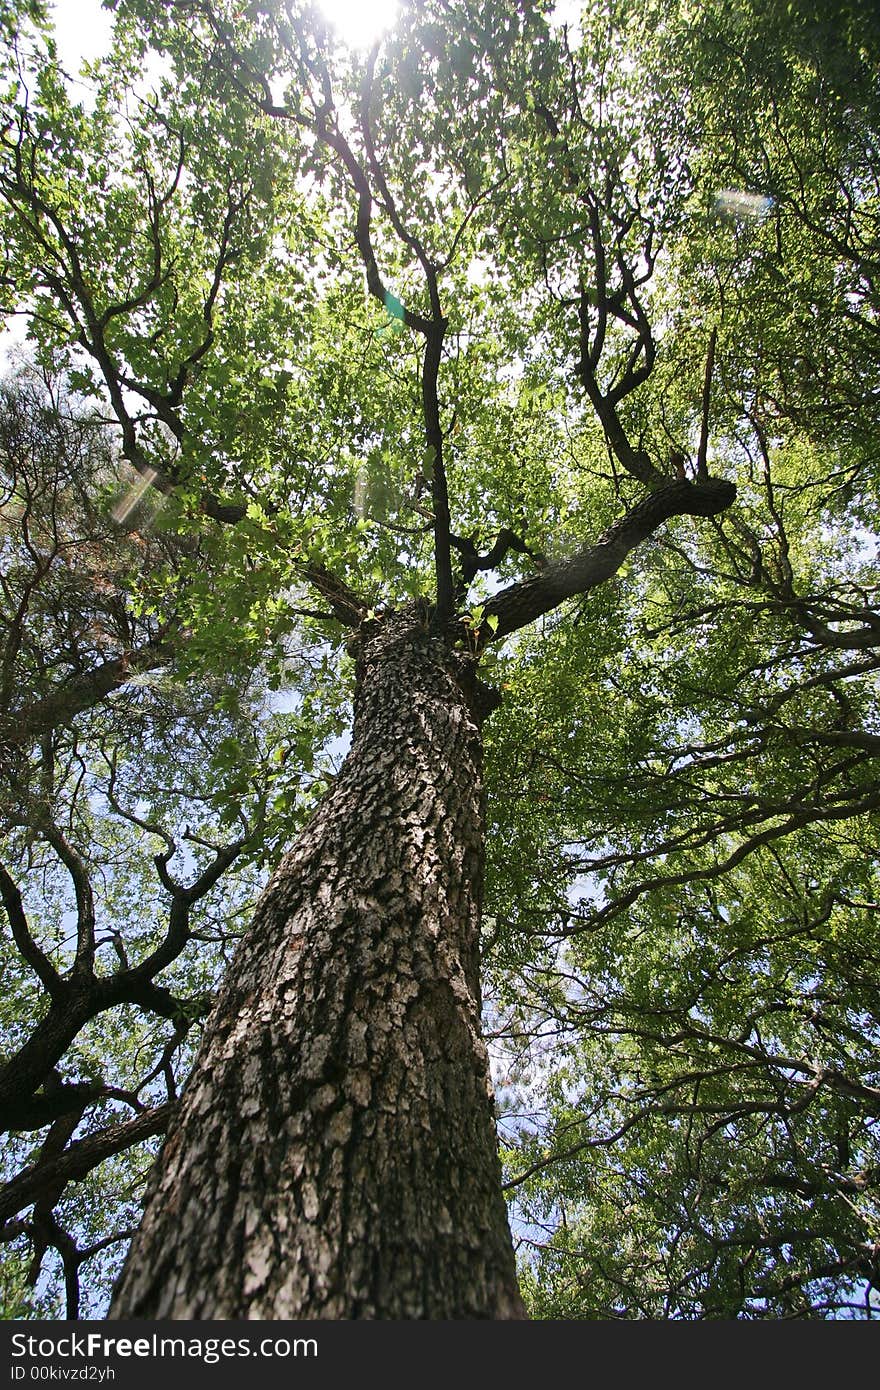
[[360, 22]]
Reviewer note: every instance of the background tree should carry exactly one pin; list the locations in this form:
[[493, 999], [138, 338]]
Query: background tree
[[715, 913], [560, 360], [121, 818]]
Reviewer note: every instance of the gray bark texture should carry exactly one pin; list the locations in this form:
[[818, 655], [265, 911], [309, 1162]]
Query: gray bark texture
[[335, 1153]]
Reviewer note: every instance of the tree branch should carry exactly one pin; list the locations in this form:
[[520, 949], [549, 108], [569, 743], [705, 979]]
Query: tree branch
[[529, 599], [82, 692], [703, 447], [21, 935], [472, 560], [80, 1158]]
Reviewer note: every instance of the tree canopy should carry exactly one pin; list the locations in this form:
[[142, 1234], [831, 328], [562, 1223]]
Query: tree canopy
[[570, 335]]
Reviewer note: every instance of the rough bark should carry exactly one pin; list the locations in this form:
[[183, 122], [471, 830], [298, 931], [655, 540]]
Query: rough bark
[[335, 1153]]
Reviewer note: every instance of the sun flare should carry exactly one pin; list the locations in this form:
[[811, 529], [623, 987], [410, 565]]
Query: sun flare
[[360, 22]]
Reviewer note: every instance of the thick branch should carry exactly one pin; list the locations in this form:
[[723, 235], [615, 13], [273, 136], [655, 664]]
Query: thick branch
[[332, 137], [27, 1069], [529, 599], [84, 958], [86, 996], [439, 491], [346, 605], [80, 1158], [433, 329], [37, 1111], [82, 692], [21, 935], [592, 343], [703, 448]]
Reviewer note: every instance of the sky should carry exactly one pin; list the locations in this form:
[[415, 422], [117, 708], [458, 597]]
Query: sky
[[82, 26], [82, 29]]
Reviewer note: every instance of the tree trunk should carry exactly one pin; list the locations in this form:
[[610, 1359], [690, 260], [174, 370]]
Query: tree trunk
[[335, 1154]]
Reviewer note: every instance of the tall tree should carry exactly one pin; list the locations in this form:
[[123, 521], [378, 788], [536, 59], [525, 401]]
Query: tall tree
[[556, 379]]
